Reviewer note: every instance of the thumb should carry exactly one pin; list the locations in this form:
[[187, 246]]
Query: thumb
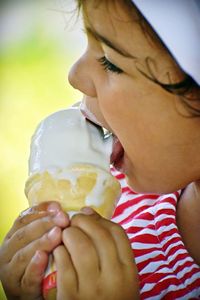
[[87, 210]]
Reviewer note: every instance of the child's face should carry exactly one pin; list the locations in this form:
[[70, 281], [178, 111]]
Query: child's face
[[161, 145]]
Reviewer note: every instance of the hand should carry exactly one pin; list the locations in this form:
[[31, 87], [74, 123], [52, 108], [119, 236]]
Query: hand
[[95, 261], [24, 252]]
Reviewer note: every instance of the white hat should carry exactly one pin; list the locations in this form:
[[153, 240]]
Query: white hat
[[177, 23]]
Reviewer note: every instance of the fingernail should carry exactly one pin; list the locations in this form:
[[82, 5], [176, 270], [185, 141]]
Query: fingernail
[[53, 233], [53, 207], [88, 210], [26, 212], [60, 218]]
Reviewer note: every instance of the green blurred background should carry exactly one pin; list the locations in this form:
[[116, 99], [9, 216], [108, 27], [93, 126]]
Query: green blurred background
[[39, 41]]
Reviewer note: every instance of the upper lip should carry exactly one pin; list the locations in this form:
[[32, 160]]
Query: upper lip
[[89, 116]]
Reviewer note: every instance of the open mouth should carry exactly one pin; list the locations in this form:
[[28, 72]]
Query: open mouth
[[117, 156]]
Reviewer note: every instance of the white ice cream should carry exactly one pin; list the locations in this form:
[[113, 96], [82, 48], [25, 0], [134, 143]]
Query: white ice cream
[[65, 138]]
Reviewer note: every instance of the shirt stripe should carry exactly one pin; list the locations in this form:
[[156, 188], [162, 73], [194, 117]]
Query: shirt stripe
[[166, 270]]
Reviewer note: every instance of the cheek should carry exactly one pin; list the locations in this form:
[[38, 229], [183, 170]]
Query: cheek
[[128, 120], [115, 102], [113, 111], [138, 119]]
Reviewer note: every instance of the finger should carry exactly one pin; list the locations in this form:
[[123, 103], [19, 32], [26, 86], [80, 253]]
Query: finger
[[33, 231], [67, 280], [83, 255], [101, 237], [122, 242], [33, 213], [119, 235], [22, 258], [21, 221], [123, 263], [125, 253], [31, 281]]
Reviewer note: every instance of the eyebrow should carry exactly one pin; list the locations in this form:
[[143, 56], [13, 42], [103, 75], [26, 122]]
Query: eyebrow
[[110, 44]]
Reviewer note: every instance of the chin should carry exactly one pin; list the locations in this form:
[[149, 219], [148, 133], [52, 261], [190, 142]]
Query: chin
[[134, 186], [150, 188]]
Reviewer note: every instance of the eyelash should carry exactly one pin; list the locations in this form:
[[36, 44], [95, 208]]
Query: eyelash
[[108, 66]]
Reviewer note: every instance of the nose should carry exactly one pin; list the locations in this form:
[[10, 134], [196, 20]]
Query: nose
[[80, 76]]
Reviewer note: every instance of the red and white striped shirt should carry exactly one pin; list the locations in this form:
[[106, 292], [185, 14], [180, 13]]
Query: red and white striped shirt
[[166, 270]]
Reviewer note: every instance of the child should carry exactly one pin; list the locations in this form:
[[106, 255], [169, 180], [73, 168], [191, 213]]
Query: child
[[140, 76]]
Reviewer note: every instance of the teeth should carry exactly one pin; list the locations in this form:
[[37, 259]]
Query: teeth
[[106, 133]]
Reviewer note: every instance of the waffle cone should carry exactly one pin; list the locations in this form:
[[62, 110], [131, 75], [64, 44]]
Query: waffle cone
[[74, 188]]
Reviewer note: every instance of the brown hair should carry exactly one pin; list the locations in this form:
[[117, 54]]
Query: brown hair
[[187, 89]]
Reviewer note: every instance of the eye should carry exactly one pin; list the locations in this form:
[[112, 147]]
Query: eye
[[108, 66]]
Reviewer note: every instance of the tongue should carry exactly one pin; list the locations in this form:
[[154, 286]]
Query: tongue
[[117, 151]]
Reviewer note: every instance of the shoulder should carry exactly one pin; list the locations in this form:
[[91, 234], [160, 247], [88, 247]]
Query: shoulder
[[188, 220]]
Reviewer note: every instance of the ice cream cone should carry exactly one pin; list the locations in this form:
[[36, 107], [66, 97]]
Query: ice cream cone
[[75, 187], [70, 163]]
